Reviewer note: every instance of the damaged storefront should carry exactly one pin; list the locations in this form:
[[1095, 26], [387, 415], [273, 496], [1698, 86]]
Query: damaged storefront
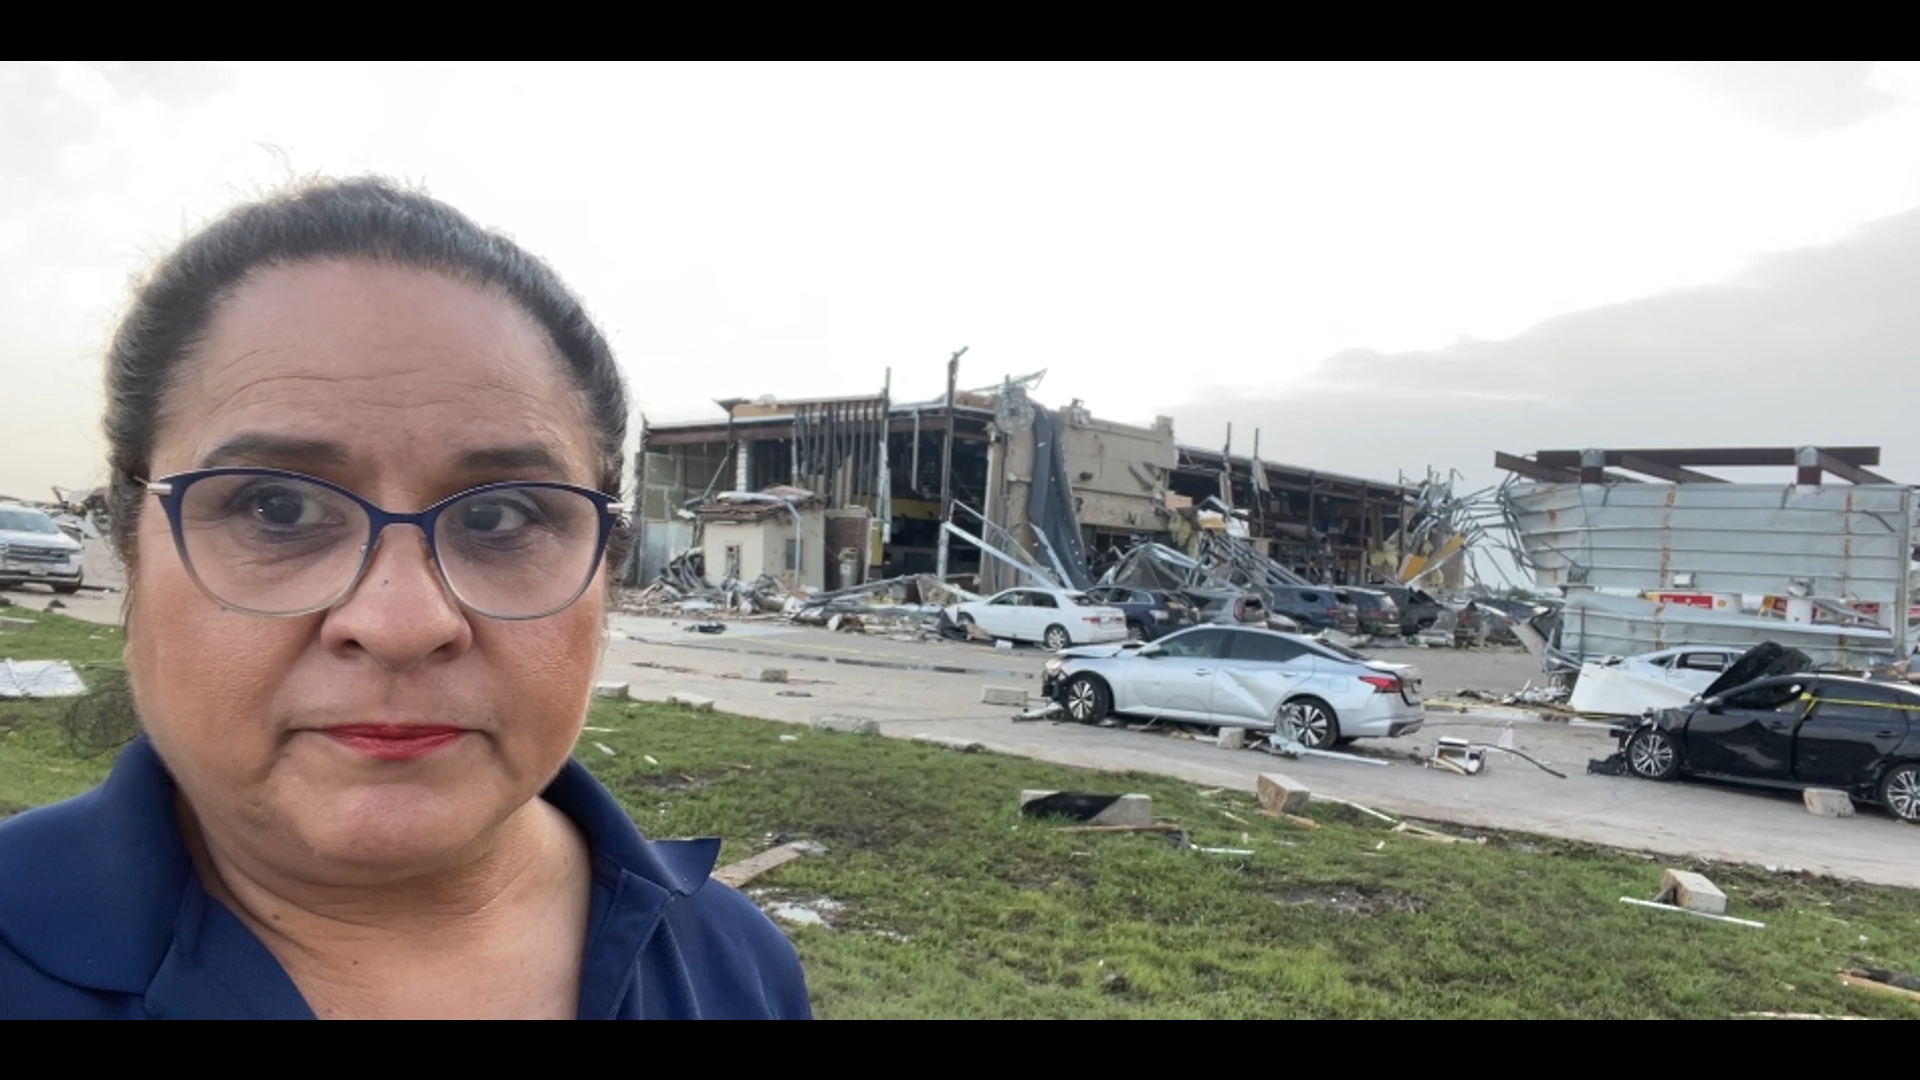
[[988, 488]]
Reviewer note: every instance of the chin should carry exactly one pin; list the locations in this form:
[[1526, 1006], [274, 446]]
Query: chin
[[398, 826]]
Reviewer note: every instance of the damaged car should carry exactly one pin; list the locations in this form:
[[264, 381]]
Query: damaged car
[[34, 549], [1312, 692], [1150, 613], [1314, 607], [1791, 731], [1055, 618]]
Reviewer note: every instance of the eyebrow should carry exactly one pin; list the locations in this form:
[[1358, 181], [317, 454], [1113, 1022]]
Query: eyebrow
[[265, 449], [261, 448], [527, 457]]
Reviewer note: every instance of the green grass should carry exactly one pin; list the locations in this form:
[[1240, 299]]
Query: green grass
[[952, 905], [39, 761]]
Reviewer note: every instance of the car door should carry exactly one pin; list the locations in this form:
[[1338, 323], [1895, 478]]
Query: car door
[[1749, 733], [1000, 616], [1041, 610], [1257, 672], [1842, 739], [1175, 677]]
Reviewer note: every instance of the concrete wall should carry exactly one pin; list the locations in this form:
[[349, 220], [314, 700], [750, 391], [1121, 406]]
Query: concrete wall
[[1113, 468], [763, 548]]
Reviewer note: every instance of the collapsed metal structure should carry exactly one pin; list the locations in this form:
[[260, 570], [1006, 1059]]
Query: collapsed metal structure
[[1689, 558]]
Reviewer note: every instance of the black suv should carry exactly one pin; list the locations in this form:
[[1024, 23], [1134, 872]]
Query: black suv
[[1378, 614], [1314, 607], [1150, 613]]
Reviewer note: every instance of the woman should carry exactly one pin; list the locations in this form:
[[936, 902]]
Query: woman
[[366, 460]]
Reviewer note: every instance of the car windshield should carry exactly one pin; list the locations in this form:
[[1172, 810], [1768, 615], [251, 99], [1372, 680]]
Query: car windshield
[[1083, 599], [27, 521]]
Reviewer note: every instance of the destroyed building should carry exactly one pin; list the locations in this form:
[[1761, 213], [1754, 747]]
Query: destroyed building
[[1652, 552], [994, 488]]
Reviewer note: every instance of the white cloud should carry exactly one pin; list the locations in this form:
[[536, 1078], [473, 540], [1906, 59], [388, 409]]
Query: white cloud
[[1136, 230]]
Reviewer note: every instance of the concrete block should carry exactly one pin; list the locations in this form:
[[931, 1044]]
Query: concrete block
[[1231, 738], [1132, 810], [949, 742], [1828, 802], [1693, 892], [1281, 794], [691, 701], [617, 691], [850, 725], [1010, 696], [765, 674]]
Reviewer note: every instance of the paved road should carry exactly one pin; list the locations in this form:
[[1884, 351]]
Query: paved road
[[934, 688]]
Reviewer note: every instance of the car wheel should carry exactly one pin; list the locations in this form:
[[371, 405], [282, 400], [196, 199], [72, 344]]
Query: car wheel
[[1651, 754], [1900, 793], [1309, 722], [1086, 699], [1136, 632], [1056, 638]]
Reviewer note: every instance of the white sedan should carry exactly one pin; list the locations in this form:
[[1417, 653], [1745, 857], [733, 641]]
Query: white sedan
[[1313, 692], [1055, 618]]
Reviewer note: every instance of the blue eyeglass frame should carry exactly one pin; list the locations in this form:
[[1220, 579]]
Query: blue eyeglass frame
[[172, 489]]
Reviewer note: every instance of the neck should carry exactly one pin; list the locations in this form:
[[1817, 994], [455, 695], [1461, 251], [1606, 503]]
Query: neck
[[417, 942]]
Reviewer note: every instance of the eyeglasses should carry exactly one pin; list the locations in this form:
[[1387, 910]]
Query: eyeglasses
[[276, 543]]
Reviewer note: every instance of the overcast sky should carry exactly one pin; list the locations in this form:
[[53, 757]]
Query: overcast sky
[[1382, 267]]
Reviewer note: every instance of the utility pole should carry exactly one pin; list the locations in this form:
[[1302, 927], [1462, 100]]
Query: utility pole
[[946, 463]]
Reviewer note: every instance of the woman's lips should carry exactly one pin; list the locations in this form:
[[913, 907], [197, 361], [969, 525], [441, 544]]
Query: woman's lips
[[393, 742]]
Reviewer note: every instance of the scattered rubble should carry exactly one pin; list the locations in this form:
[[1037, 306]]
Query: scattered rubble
[[1692, 894], [1827, 802], [616, 691], [1010, 696], [1134, 811], [691, 701], [1281, 794], [39, 679], [949, 742], [739, 873], [847, 725], [1882, 981]]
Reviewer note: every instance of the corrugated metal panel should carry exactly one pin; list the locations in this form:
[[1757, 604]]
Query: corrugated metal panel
[[1846, 540], [1596, 625], [659, 541]]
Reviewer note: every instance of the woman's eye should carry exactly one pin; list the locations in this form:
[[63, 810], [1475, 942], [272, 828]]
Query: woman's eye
[[288, 509], [496, 516]]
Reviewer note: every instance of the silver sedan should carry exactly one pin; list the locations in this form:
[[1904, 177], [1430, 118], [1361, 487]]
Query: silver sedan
[[1313, 692]]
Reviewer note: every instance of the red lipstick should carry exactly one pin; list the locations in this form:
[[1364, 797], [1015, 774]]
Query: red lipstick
[[393, 742]]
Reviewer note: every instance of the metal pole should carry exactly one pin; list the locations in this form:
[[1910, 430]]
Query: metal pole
[[946, 463], [1903, 587], [886, 466]]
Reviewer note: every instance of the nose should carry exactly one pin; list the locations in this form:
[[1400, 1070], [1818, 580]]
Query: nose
[[399, 613]]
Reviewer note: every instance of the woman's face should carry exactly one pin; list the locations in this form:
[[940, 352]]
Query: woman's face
[[403, 386]]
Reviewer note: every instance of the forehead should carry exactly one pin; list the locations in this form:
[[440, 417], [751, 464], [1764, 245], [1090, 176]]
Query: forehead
[[390, 367]]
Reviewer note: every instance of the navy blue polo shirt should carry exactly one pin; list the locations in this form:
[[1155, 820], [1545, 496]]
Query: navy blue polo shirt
[[102, 916]]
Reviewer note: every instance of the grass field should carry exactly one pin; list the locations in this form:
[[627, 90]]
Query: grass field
[[942, 901]]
